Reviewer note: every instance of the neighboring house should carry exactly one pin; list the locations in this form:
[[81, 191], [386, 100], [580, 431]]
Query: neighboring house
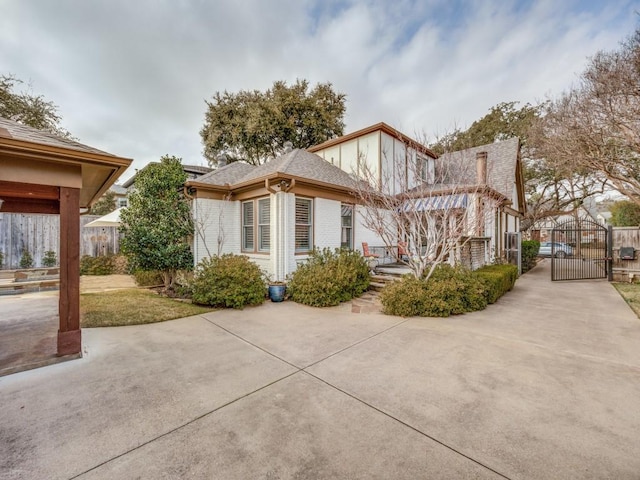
[[604, 218], [277, 212], [120, 195], [192, 171], [541, 229]]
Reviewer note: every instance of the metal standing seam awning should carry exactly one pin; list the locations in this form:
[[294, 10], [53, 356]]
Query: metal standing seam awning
[[436, 202]]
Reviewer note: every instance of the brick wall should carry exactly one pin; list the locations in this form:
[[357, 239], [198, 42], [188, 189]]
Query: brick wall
[[214, 218]]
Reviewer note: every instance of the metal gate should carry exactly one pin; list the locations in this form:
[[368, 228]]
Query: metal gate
[[580, 250]]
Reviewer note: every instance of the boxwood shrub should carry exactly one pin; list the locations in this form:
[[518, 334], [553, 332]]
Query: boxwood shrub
[[102, 265], [530, 249], [148, 278], [329, 277], [231, 281], [497, 279], [449, 291]]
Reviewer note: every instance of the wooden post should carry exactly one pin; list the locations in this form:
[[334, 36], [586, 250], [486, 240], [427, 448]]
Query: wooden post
[[69, 335]]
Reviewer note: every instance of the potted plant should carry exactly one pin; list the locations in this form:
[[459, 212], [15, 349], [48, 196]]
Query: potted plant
[[277, 290]]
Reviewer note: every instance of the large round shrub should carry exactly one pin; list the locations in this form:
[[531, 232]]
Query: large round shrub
[[329, 278], [228, 281], [449, 291]]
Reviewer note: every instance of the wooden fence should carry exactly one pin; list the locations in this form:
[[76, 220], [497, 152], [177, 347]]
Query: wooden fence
[[40, 233], [626, 270]]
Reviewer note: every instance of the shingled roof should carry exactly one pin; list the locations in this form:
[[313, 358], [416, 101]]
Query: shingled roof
[[502, 162], [228, 175], [297, 163], [17, 131]]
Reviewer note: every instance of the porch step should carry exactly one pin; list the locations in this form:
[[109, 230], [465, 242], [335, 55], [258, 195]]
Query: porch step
[[378, 282], [368, 302]]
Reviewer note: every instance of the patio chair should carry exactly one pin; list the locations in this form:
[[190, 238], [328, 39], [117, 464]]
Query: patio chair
[[366, 253], [402, 250]]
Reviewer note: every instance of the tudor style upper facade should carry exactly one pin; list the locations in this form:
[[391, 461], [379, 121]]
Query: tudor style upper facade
[[391, 158]]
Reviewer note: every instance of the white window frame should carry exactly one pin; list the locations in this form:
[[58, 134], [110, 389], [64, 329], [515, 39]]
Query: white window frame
[[248, 226], [264, 224], [348, 229], [308, 225]]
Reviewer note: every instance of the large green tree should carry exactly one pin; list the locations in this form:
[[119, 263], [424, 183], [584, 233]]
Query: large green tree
[[254, 126], [504, 120], [106, 204], [625, 214], [29, 109], [157, 224]]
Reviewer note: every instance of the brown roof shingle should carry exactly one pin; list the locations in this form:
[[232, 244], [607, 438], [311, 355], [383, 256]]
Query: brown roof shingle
[[17, 131], [302, 164], [502, 161], [297, 163], [228, 175]]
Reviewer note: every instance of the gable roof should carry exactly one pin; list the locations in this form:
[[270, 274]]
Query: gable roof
[[297, 163], [502, 164]]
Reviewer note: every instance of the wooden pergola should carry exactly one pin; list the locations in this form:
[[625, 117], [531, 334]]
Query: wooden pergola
[[43, 173]]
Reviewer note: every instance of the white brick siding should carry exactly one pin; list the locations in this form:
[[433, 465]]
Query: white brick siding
[[362, 233], [327, 223], [215, 219]]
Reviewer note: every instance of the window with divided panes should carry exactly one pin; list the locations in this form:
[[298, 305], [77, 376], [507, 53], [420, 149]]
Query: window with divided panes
[[304, 225], [261, 223], [346, 236]]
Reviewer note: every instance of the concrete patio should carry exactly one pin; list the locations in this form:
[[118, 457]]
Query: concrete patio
[[544, 384], [29, 324]]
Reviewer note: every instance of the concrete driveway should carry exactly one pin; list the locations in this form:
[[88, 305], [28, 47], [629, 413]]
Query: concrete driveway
[[544, 384]]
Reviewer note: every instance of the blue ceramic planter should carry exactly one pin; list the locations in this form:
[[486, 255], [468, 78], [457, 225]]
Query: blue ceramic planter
[[276, 292]]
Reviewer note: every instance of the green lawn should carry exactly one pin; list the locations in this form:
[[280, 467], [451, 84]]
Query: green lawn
[[631, 293], [132, 307]]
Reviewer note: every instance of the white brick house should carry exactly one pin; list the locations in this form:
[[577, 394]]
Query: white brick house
[[276, 213]]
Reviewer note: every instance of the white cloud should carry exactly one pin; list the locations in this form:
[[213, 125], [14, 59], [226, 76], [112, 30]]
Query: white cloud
[[131, 77]]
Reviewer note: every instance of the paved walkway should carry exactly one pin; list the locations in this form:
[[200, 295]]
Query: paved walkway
[[543, 385]]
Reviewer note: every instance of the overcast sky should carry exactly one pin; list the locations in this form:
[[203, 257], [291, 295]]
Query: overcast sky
[[131, 76]]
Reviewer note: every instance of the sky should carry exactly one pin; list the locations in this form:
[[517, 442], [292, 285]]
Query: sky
[[132, 77]]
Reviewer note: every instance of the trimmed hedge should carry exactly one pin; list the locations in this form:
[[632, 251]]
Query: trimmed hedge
[[497, 279], [151, 278], [329, 278], [228, 281], [449, 291], [96, 265], [530, 249]]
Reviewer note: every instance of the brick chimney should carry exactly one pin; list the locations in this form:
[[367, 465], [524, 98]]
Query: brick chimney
[[481, 168]]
